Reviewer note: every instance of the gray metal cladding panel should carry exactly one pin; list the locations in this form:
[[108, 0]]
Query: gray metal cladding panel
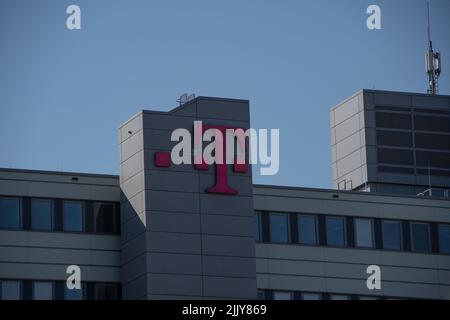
[[135, 289], [172, 201], [287, 267], [46, 255], [134, 268], [241, 183], [159, 139], [59, 256], [59, 190], [133, 125], [227, 225], [134, 227], [133, 185], [131, 146], [46, 271], [187, 231], [167, 121], [173, 242], [65, 240], [229, 266], [174, 284], [133, 248], [228, 287], [173, 222], [131, 207], [174, 263], [223, 110], [347, 110], [132, 166], [167, 180], [228, 246], [226, 204]]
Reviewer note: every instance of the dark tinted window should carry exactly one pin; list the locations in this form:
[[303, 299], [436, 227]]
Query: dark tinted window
[[73, 216], [106, 291], [307, 229], [73, 294], [10, 290], [336, 231], [420, 237], [392, 235], [430, 123], [396, 169], [393, 120], [434, 159], [41, 214], [104, 217], [432, 141], [10, 217], [279, 227], [257, 226], [364, 233], [395, 156], [444, 238], [394, 138]]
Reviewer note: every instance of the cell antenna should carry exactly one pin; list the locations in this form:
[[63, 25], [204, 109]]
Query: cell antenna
[[432, 60]]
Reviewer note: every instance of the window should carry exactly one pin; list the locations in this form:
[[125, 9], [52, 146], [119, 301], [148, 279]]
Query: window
[[104, 217], [339, 297], [395, 156], [11, 290], [392, 235], [434, 159], [73, 216], [279, 227], [336, 231], [257, 226], [393, 120], [106, 291], [431, 123], [444, 238], [10, 216], [307, 229], [432, 141], [282, 295], [42, 290], [394, 138], [364, 233], [41, 214], [420, 237], [261, 295], [311, 296], [73, 294]]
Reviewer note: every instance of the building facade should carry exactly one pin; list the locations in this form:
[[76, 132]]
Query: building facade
[[166, 231]]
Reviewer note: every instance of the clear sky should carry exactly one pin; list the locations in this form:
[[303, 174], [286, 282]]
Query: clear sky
[[64, 93]]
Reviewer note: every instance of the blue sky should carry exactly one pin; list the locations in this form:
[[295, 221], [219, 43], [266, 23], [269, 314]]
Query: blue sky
[[64, 93]]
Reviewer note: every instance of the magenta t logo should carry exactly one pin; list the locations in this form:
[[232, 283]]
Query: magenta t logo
[[163, 159]]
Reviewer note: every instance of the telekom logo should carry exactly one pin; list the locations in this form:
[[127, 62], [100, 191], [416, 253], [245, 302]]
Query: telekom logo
[[221, 151], [163, 159]]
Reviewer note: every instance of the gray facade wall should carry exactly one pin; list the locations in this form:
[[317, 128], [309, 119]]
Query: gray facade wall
[[46, 255], [356, 145], [343, 270], [177, 240]]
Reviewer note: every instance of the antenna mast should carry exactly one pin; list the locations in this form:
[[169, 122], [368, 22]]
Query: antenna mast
[[432, 60]]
